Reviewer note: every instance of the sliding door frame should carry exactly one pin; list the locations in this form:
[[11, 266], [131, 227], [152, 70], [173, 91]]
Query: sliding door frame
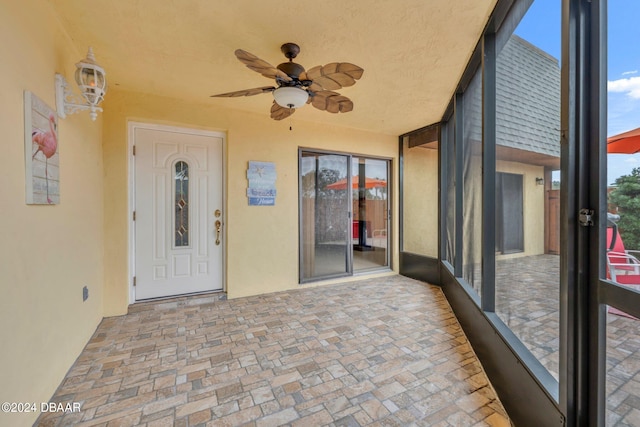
[[349, 253]]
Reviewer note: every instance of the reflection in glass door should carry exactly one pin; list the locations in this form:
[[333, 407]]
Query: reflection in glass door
[[324, 215], [344, 215]]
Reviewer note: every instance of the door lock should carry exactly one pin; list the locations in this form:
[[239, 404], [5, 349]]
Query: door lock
[[586, 217], [218, 227]]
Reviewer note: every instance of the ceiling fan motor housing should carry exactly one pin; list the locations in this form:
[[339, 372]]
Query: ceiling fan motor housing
[[291, 69]]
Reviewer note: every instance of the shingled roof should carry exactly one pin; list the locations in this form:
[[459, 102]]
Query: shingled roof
[[527, 106], [528, 98]]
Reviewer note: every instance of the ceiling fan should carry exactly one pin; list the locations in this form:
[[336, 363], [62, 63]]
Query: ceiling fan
[[297, 87]]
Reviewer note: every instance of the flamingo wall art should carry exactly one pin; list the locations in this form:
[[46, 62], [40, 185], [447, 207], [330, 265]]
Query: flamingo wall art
[[41, 152]]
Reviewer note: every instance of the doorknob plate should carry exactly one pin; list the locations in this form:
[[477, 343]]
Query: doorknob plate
[[218, 227]]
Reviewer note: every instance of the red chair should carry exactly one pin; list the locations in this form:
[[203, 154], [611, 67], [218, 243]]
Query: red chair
[[621, 261], [623, 266]]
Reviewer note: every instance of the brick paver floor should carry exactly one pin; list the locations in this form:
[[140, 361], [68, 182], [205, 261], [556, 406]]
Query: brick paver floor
[[380, 352]]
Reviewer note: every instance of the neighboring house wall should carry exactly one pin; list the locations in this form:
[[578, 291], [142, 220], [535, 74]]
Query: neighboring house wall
[[528, 119], [420, 206], [48, 253], [262, 242]]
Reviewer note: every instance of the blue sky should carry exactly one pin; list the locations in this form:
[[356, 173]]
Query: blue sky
[[541, 26]]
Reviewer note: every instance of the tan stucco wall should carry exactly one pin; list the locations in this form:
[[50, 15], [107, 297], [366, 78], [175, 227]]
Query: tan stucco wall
[[262, 242], [420, 201], [47, 253]]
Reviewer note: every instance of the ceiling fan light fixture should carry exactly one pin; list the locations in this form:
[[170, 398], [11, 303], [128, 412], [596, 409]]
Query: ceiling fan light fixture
[[290, 97]]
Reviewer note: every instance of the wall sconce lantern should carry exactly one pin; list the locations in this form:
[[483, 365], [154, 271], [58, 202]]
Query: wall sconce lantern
[[91, 80], [539, 181]]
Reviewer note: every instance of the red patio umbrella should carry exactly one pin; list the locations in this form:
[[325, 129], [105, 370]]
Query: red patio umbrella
[[624, 143], [368, 183]]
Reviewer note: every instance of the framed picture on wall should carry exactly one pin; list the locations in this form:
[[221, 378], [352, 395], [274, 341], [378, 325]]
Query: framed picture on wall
[[41, 152], [262, 183]]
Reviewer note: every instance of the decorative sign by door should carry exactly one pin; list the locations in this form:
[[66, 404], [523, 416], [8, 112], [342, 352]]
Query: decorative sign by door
[[262, 184]]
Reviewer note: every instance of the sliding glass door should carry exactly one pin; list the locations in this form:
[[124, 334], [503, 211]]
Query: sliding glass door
[[343, 214]]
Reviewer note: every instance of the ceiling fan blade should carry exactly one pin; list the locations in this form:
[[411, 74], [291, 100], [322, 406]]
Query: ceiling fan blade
[[317, 76], [335, 75], [246, 92], [279, 112], [315, 87], [350, 69], [258, 65], [332, 102]]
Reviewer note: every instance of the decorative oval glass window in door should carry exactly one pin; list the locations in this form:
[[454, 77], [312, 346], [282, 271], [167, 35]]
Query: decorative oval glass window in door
[[182, 204]]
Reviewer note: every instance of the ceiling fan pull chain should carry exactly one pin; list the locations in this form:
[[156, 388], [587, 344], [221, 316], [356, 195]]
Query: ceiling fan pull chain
[[290, 119]]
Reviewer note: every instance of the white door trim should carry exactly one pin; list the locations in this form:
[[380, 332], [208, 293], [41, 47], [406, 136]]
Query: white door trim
[[131, 128]]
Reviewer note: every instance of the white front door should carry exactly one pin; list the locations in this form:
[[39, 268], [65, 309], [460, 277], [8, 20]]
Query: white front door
[[178, 213]]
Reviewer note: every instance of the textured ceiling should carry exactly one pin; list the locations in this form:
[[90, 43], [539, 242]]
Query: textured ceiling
[[413, 51]]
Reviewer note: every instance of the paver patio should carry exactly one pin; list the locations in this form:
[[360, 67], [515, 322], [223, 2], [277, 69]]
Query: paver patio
[[386, 351], [527, 300]]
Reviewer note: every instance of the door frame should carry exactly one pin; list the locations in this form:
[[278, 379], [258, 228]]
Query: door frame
[[132, 126]]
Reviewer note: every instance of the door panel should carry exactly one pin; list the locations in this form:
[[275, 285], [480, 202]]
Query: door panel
[[511, 198], [325, 216], [370, 213], [178, 186]]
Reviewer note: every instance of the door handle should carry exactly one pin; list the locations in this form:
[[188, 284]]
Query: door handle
[[218, 227]]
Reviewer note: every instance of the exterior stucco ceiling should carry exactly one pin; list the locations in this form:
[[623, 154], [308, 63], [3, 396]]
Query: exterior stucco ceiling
[[413, 51]]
